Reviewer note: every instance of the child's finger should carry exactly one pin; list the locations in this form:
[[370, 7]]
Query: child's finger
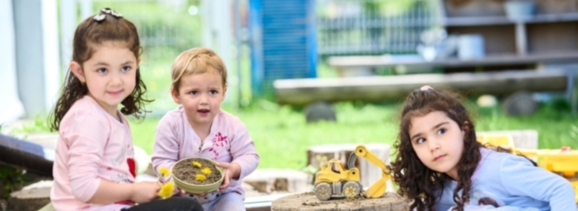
[[225, 182], [223, 164]]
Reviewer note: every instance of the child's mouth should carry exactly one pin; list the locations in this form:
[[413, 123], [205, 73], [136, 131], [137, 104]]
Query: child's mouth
[[439, 157], [203, 111], [115, 93]]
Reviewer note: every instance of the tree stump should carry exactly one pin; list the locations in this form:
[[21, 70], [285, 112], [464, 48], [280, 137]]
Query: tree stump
[[278, 180], [32, 197], [308, 202], [524, 139], [320, 111], [520, 103]]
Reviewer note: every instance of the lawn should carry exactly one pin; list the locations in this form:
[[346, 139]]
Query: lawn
[[282, 136]]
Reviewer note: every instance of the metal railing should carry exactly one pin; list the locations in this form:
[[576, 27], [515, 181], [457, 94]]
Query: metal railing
[[372, 27]]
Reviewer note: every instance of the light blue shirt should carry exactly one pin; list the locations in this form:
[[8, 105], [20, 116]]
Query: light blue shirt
[[515, 184]]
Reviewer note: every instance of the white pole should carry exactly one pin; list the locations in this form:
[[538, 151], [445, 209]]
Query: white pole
[[51, 52], [67, 27], [220, 27], [86, 9], [206, 15], [12, 108]]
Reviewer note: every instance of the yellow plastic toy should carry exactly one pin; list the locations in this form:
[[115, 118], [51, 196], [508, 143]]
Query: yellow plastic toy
[[561, 161], [335, 181]]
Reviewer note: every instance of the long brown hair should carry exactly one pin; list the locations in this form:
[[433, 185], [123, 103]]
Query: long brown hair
[[89, 34], [416, 181]]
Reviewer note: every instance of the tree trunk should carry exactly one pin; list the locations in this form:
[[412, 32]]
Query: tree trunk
[[308, 202], [31, 199]]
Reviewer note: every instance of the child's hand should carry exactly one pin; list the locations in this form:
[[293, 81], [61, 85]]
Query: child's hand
[[232, 170], [144, 191]]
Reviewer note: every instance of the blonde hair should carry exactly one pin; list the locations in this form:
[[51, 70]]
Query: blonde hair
[[197, 61]]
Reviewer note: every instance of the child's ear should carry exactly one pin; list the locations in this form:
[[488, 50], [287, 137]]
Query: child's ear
[[465, 128], [175, 96], [76, 69], [224, 90]]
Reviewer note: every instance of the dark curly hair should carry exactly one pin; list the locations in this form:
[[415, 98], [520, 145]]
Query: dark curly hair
[[88, 35], [416, 181]]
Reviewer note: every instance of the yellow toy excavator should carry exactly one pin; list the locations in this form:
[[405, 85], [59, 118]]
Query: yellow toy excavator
[[335, 181]]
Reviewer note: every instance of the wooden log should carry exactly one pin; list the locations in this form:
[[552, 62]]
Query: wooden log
[[308, 202], [33, 197], [387, 88], [278, 180], [27, 155]]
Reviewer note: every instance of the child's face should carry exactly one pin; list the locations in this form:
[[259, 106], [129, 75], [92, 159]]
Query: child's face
[[438, 142], [201, 96], [109, 74]]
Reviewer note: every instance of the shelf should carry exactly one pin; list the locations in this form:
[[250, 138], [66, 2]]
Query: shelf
[[503, 20], [490, 60]]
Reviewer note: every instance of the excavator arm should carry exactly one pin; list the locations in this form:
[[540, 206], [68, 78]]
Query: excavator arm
[[378, 188]]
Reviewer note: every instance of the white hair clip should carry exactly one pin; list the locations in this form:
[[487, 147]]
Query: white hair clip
[[100, 17], [111, 12]]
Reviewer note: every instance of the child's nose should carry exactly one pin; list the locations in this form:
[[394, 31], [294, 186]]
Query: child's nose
[[433, 143], [116, 79], [203, 99]]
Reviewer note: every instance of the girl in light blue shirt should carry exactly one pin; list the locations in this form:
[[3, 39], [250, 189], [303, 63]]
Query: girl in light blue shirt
[[441, 166]]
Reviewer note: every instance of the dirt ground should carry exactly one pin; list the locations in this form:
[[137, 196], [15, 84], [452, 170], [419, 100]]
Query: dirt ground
[[186, 171]]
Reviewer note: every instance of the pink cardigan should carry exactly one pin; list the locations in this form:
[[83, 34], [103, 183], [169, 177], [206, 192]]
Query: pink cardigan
[[92, 146], [228, 141]]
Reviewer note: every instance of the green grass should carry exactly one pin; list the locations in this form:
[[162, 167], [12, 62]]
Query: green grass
[[282, 136]]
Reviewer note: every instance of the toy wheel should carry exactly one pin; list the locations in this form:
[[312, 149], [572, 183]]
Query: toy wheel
[[351, 189], [323, 191]]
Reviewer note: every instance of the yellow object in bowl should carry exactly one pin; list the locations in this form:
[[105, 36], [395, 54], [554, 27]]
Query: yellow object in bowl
[[196, 188]]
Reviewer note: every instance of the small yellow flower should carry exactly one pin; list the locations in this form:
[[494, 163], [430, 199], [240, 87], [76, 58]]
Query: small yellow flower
[[164, 171], [206, 171], [197, 164], [166, 190], [200, 177]]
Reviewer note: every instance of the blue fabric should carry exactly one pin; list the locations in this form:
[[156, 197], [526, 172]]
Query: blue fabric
[[515, 184]]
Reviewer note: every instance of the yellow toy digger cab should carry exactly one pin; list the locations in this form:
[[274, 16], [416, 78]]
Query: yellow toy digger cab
[[335, 181]]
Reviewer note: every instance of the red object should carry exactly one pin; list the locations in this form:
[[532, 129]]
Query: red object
[[131, 166], [129, 202], [566, 149]]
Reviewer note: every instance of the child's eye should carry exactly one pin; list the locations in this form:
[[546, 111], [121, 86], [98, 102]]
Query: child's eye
[[419, 140], [441, 131], [193, 92], [213, 92], [101, 70], [126, 68]]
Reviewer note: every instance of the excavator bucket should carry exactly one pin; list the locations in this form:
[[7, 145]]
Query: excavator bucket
[[377, 190]]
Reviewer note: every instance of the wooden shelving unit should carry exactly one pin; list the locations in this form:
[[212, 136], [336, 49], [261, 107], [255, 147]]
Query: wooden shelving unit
[[552, 30]]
